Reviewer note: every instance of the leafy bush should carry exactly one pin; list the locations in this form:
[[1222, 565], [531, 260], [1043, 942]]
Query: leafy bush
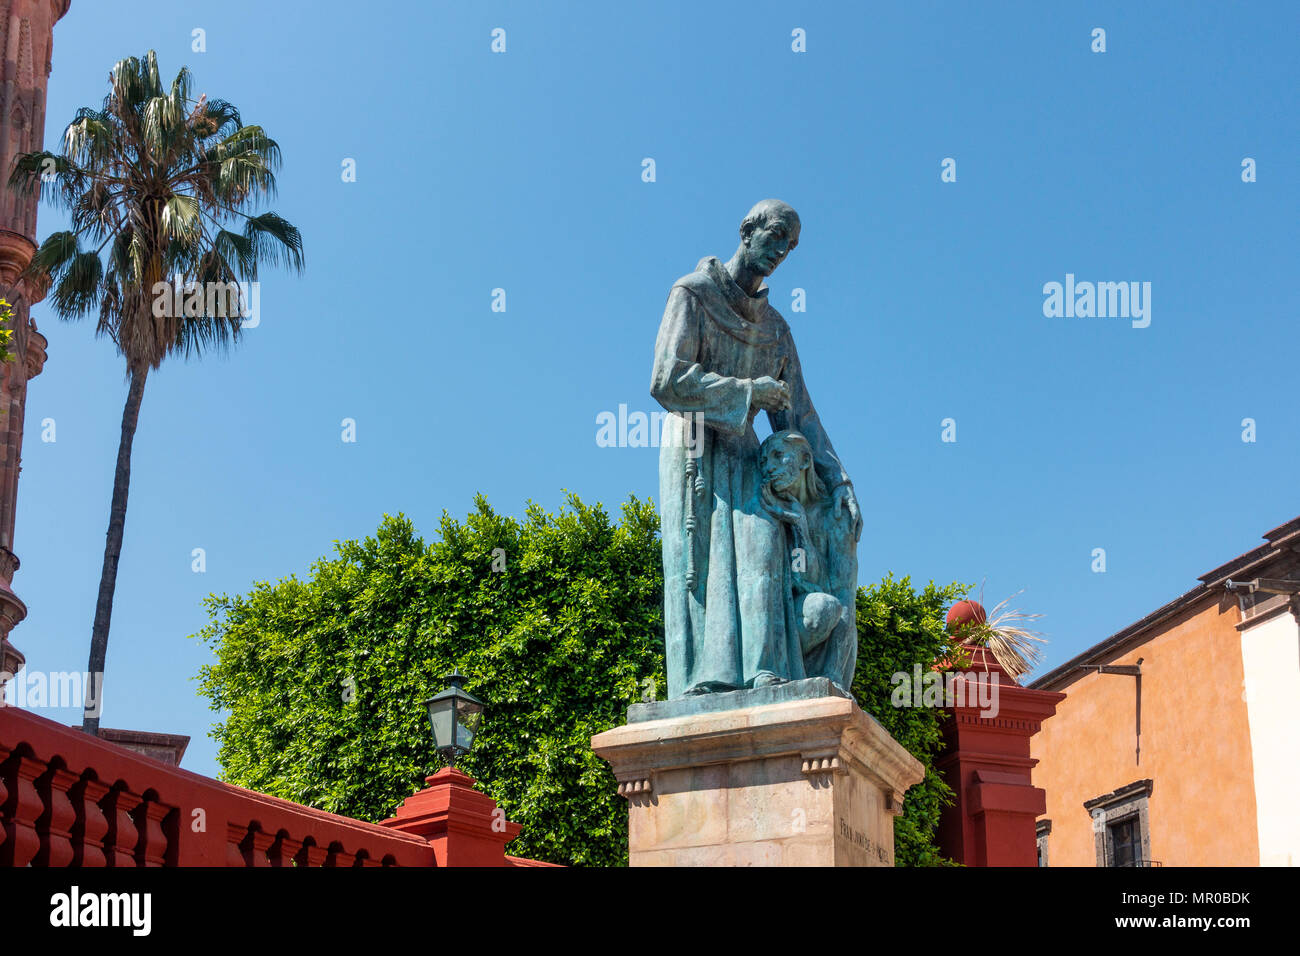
[[322, 681], [6, 329], [897, 629]]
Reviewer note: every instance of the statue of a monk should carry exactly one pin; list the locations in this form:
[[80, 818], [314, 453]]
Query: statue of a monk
[[723, 355]]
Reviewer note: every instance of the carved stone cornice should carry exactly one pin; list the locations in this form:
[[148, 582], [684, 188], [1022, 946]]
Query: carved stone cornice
[[12, 610], [16, 251], [9, 563], [36, 354], [11, 661], [35, 288], [638, 789]]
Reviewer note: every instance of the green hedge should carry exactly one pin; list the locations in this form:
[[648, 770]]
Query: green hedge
[[557, 621]]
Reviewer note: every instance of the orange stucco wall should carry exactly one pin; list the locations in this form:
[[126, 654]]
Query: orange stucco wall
[[1195, 746]]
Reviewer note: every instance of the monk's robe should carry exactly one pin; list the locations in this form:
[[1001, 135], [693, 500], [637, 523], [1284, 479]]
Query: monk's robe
[[737, 621]]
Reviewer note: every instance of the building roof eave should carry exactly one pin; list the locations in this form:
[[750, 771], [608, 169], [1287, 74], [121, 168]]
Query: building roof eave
[[1280, 542], [1118, 642]]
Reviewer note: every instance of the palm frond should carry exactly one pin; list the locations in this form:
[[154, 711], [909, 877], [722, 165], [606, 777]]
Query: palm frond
[[1009, 638], [53, 255], [78, 290], [163, 117], [222, 118], [275, 240], [236, 250], [159, 185], [181, 219], [25, 178]]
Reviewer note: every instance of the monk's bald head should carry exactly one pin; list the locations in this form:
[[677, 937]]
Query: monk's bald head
[[769, 212]]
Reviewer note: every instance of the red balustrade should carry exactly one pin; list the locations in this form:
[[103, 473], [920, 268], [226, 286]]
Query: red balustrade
[[67, 798]]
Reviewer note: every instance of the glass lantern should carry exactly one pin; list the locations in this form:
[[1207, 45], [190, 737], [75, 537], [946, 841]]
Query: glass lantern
[[454, 716]]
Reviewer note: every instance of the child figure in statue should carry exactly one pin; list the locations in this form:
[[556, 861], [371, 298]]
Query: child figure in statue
[[822, 549]]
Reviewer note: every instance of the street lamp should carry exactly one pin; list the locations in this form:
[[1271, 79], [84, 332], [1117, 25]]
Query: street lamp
[[454, 717]]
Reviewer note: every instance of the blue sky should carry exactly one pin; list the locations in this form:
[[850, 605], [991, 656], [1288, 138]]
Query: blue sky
[[523, 171]]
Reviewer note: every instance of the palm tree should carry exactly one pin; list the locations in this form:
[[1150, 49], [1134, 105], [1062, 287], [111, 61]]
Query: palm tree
[[164, 188]]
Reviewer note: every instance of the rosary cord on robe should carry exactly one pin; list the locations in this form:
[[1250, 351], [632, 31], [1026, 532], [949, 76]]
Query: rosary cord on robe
[[694, 488]]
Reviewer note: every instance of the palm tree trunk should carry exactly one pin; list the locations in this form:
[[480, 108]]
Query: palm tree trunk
[[112, 551]]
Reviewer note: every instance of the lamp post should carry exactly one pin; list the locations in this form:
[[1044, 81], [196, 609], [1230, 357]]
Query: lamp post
[[464, 827], [454, 716]]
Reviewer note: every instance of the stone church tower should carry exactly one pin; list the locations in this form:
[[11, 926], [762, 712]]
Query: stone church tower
[[26, 39]]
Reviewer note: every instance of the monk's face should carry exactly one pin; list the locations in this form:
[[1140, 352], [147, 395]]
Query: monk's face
[[769, 244], [783, 464]]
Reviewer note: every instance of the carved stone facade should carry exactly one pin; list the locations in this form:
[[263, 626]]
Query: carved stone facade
[[26, 38]]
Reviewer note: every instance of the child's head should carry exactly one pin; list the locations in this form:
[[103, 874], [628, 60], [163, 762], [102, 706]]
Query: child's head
[[786, 463]]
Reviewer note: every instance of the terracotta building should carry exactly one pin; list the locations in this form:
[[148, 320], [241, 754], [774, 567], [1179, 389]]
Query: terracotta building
[[1176, 744], [26, 39]]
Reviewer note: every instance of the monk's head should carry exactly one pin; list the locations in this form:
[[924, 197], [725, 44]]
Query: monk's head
[[768, 233]]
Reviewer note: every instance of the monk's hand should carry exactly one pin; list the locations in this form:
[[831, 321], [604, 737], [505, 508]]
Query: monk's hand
[[845, 499], [770, 394]]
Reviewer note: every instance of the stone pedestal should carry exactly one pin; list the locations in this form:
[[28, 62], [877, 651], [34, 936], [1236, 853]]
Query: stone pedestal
[[792, 775]]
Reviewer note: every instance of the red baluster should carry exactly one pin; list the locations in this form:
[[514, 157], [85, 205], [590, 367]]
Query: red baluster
[[120, 845], [23, 840], [311, 854], [148, 819], [260, 844], [235, 837], [92, 825], [285, 850], [337, 856], [4, 795], [60, 818]]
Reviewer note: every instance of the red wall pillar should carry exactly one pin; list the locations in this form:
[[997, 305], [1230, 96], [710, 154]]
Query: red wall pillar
[[465, 827], [987, 764]]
